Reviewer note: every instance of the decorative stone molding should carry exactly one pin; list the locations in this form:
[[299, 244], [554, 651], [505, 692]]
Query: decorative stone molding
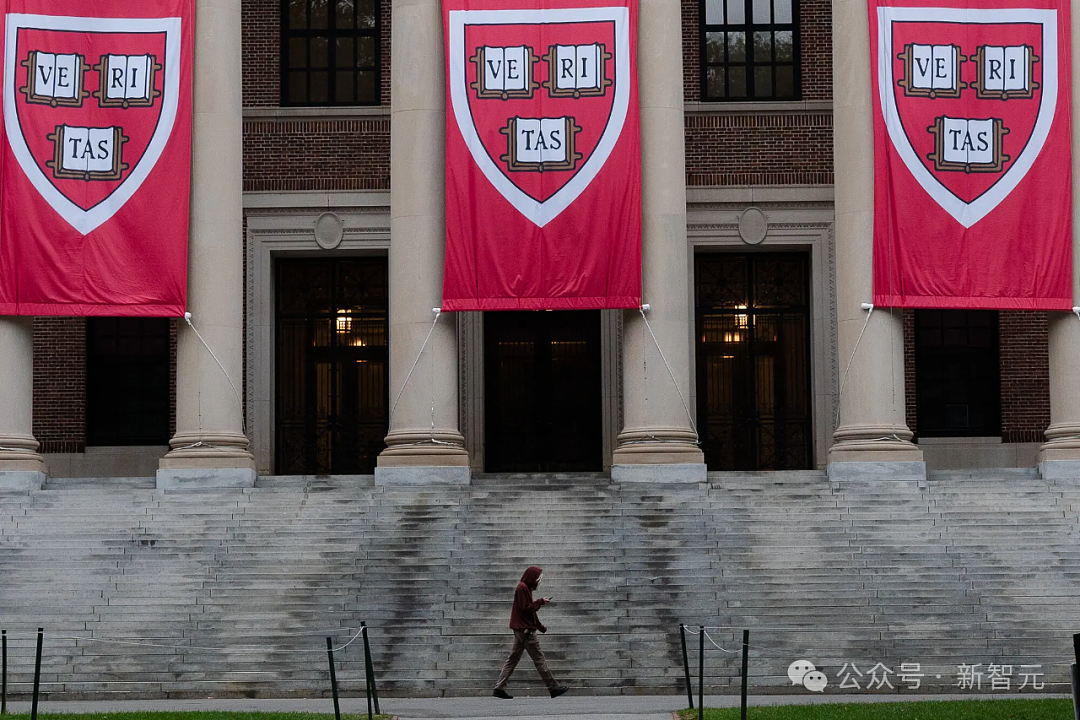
[[791, 225], [285, 225]]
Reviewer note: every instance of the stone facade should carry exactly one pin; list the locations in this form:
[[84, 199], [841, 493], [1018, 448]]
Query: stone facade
[[733, 152]]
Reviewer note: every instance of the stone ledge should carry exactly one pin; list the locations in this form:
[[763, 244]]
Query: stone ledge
[[21, 481], [423, 475], [660, 473], [885, 471], [205, 478]]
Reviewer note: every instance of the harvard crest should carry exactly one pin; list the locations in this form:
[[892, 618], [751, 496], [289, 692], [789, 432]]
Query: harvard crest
[[89, 107], [540, 97], [968, 97]]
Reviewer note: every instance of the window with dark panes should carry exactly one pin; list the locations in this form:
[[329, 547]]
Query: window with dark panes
[[957, 373], [127, 381], [750, 50], [330, 52]]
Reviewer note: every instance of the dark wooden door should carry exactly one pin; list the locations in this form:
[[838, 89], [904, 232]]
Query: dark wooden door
[[332, 369], [543, 408], [957, 373], [753, 360]]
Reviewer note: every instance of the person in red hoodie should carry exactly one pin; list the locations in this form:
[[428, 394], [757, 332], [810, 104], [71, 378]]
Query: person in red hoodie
[[524, 622]]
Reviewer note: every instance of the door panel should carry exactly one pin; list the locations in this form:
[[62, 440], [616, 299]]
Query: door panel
[[332, 370], [543, 408], [753, 360]]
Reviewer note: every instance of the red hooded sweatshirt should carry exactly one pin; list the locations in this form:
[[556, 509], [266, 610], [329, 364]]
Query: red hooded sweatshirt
[[523, 615]]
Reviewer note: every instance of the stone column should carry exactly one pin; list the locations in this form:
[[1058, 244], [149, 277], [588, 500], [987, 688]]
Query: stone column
[[424, 444], [209, 448], [873, 438], [1060, 455], [658, 442], [21, 467]]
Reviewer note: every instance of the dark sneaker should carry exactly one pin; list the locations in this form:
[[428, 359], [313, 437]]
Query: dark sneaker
[[558, 690], [500, 693]]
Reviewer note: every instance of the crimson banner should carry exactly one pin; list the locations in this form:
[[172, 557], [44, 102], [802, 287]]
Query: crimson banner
[[543, 155], [96, 164], [972, 154]]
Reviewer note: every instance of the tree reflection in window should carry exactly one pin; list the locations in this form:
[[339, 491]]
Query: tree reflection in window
[[768, 70]]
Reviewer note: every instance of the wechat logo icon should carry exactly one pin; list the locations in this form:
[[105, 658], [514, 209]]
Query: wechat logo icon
[[803, 672]]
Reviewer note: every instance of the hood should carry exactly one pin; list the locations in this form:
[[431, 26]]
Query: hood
[[530, 576]]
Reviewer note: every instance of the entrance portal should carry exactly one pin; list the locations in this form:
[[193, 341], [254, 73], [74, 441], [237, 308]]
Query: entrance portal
[[332, 369], [753, 360], [543, 408]]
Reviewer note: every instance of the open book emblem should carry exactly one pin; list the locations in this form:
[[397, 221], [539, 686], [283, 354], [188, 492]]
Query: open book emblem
[[89, 105], [540, 97], [968, 97]]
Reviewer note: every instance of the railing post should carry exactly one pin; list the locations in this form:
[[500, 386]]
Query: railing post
[[686, 668], [333, 678], [1075, 691], [701, 672], [37, 674], [1076, 676], [3, 673], [369, 668], [745, 665]]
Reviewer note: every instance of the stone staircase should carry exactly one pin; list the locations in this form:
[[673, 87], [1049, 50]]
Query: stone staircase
[[144, 593]]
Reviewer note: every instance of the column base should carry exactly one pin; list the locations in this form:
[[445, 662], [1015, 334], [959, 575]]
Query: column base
[[424, 458], [657, 446], [1059, 457], [661, 473], [21, 481], [423, 475], [201, 462], [882, 452], [884, 470], [211, 478]]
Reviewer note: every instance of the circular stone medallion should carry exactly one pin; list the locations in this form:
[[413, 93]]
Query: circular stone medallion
[[329, 231], [753, 226]]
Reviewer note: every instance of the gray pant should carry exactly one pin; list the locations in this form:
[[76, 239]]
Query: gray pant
[[525, 640]]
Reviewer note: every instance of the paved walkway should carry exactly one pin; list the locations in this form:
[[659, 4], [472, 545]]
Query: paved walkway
[[567, 707]]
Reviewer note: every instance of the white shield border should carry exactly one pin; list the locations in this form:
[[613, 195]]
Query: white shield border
[[967, 214], [85, 221], [540, 213]]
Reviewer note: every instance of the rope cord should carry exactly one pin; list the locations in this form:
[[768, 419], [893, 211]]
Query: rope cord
[[675, 382], [763, 648], [239, 400], [239, 649], [839, 395], [438, 312]]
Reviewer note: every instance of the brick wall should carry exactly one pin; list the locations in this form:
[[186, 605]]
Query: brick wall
[[815, 34], [766, 149], [317, 155], [909, 371], [60, 383], [1025, 374], [261, 47]]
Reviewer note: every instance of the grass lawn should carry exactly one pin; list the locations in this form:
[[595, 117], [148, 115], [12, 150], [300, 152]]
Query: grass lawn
[[200, 715], [1051, 709]]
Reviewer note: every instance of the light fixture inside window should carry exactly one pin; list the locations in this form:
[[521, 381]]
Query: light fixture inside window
[[344, 322]]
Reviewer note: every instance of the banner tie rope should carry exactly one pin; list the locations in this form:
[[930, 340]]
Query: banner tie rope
[[239, 401], [869, 308], [686, 407], [438, 312]]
